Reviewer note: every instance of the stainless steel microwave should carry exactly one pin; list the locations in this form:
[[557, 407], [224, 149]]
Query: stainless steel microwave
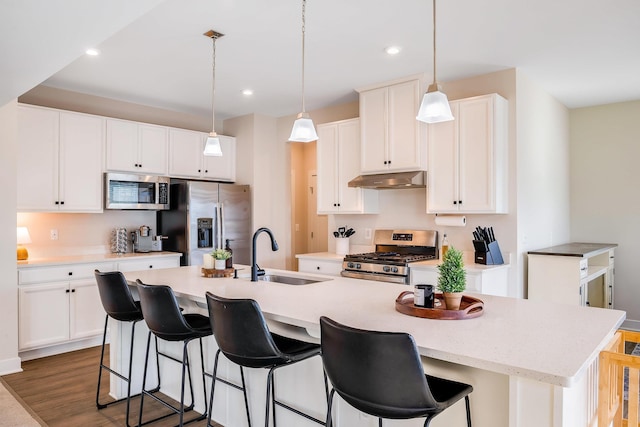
[[132, 191]]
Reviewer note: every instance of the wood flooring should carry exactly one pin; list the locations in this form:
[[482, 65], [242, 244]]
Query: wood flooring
[[61, 390]]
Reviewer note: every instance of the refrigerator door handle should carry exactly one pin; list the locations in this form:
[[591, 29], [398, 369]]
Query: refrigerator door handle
[[222, 227]]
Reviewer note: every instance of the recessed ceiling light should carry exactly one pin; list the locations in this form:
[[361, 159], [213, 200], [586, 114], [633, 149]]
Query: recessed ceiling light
[[92, 52], [247, 92], [392, 50]]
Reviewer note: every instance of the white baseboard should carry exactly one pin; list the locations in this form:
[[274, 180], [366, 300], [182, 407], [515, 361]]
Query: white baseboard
[[60, 348], [10, 366]]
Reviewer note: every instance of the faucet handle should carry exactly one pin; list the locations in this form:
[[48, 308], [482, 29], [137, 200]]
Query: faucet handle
[[259, 271]]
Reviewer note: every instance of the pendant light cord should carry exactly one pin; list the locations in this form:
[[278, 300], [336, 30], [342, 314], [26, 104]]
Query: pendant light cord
[[434, 42], [213, 87], [304, 6]]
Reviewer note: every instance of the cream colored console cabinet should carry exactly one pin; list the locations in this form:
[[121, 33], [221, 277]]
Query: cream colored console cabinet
[[137, 147], [338, 151], [186, 158], [59, 161], [392, 139], [468, 161], [575, 273]]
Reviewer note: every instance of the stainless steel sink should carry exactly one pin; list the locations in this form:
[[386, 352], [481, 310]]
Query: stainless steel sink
[[290, 280]]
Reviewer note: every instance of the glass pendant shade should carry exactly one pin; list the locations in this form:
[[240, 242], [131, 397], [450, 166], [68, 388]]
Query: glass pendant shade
[[212, 147], [303, 129], [434, 107]]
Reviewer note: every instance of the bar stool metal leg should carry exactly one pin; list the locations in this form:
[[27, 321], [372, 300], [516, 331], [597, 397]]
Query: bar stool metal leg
[[215, 378]]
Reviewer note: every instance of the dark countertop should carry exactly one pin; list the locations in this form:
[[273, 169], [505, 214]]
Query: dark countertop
[[575, 249]]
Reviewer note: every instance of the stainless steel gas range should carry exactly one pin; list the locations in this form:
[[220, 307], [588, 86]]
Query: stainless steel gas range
[[395, 250]]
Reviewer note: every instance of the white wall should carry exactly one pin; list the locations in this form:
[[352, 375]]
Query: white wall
[[605, 201], [9, 361], [542, 169]]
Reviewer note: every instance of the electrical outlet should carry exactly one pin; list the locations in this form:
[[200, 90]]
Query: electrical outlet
[[53, 233], [367, 233]]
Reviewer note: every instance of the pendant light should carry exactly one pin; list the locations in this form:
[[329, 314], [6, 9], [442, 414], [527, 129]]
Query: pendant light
[[212, 146], [435, 105], [303, 129]]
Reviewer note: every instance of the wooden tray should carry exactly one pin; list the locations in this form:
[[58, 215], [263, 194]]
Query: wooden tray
[[470, 307], [212, 272]]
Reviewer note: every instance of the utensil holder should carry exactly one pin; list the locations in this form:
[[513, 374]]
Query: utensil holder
[[487, 254], [119, 240], [342, 245]]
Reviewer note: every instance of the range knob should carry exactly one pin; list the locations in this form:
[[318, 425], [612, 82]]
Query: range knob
[[395, 269], [350, 265], [386, 269], [358, 266]]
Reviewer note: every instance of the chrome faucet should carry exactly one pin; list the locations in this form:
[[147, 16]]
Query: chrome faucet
[[255, 268]]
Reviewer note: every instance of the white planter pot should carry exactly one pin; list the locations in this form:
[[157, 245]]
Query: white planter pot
[[220, 264]]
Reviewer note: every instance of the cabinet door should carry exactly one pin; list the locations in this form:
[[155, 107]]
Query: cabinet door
[[185, 153], [442, 182], [327, 164], [349, 199], [86, 314], [122, 145], [81, 148], [153, 148], [158, 263], [476, 156], [406, 144], [37, 159], [221, 168], [332, 268], [373, 122], [43, 314]]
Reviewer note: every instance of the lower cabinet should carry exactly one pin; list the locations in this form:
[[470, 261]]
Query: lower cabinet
[[60, 305], [330, 265]]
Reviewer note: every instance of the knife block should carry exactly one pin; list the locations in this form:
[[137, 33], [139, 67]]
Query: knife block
[[487, 254]]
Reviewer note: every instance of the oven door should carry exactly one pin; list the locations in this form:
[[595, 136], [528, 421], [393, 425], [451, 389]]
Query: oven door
[[389, 278]]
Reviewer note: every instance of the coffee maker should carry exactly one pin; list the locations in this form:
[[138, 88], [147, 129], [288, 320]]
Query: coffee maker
[[145, 241]]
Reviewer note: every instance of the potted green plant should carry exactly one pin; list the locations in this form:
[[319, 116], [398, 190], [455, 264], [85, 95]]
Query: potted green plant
[[452, 280], [220, 257]]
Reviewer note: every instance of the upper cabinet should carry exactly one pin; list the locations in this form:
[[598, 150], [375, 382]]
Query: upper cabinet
[[60, 160], [467, 158], [392, 139], [187, 161], [338, 149], [137, 147]]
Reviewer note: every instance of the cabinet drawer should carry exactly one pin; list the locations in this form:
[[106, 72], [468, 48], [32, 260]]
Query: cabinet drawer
[[146, 264], [61, 273], [332, 268]]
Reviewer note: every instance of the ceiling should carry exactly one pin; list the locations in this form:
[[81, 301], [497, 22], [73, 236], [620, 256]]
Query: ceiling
[[583, 52]]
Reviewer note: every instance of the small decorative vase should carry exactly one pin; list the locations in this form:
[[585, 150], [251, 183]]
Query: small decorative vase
[[452, 300], [220, 264]]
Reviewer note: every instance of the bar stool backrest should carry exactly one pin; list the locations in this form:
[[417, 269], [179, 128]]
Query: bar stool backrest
[[116, 297], [242, 333], [162, 312], [379, 373]]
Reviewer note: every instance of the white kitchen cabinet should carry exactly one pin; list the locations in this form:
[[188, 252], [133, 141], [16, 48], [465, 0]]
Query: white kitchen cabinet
[[330, 267], [467, 158], [338, 149], [186, 158], [145, 264], [59, 304], [137, 147], [480, 279], [575, 273], [59, 161], [392, 139]]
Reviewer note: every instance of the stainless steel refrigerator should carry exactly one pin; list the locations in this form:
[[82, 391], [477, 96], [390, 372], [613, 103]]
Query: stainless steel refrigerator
[[203, 215]]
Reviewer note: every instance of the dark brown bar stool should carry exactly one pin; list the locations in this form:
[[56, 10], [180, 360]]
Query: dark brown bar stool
[[244, 338], [380, 374], [118, 303], [165, 320]]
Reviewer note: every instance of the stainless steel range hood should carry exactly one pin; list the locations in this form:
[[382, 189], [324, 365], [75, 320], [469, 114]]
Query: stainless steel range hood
[[396, 180]]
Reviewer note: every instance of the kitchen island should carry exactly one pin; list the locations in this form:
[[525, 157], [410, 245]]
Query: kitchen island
[[530, 363]]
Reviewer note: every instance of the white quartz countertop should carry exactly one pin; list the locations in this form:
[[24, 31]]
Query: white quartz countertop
[[78, 259], [547, 342]]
